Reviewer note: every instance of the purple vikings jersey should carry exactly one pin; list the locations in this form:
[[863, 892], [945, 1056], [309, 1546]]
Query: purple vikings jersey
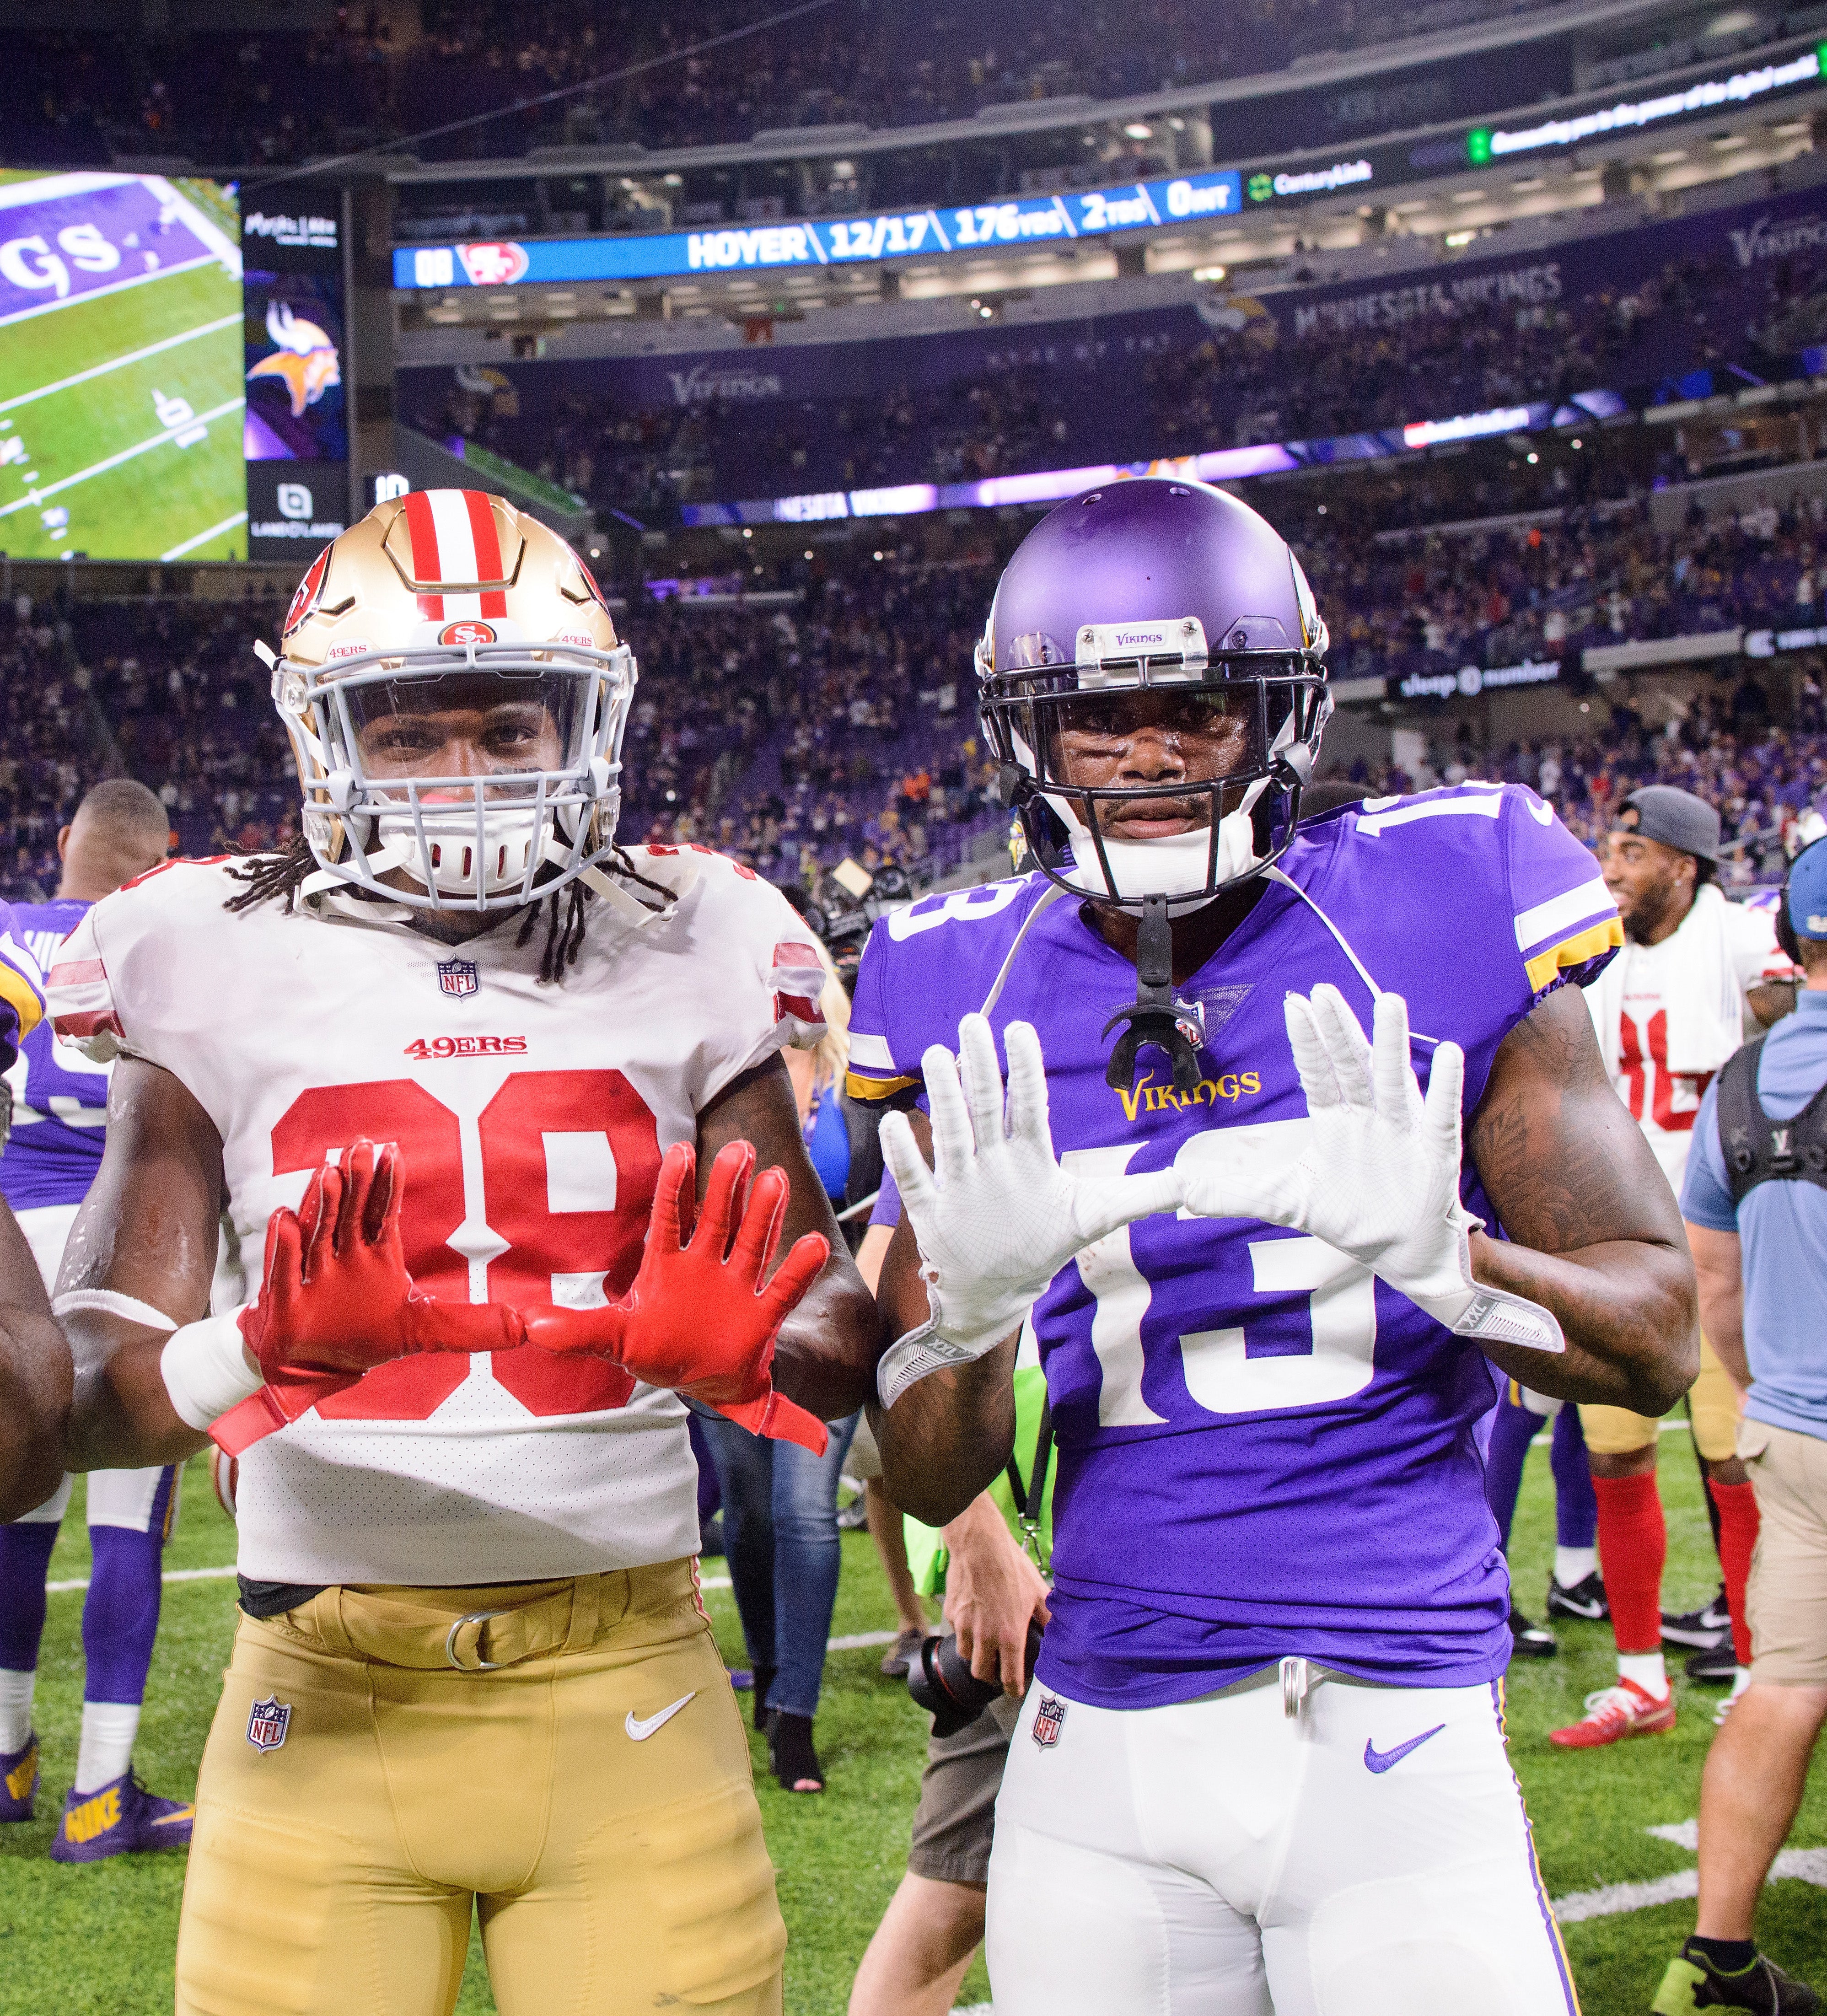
[[1263, 1451], [59, 1099], [22, 988]]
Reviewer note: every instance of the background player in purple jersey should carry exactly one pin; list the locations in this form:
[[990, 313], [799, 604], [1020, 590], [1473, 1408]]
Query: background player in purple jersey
[[59, 1115], [34, 1360], [1263, 1766]]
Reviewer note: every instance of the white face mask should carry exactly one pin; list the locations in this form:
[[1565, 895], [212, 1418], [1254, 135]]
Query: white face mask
[[511, 836], [1173, 866]]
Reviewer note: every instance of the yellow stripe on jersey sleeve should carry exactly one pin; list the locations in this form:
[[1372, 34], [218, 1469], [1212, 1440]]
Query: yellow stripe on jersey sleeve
[[22, 998], [859, 1087], [1582, 945]]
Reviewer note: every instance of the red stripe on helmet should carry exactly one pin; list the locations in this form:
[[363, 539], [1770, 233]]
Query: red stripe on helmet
[[422, 528], [488, 552]]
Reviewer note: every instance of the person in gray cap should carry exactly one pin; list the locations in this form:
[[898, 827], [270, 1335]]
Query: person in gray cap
[[1669, 1010]]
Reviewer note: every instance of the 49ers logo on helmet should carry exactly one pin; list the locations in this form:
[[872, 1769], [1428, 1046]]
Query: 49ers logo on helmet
[[309, 589], [468, 632]]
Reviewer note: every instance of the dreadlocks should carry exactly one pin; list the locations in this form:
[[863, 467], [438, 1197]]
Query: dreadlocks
[[281, 872]]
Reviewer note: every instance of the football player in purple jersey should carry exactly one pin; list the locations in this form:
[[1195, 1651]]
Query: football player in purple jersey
[[1276, 1267], [35, 1371]]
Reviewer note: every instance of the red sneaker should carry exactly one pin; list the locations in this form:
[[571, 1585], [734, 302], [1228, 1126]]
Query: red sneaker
[[1614, 1713]]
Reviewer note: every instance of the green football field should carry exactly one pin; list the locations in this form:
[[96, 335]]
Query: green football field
[[120, 420], [98, 1941]]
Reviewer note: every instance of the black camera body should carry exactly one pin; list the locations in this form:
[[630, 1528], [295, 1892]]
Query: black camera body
[[941, 1681]]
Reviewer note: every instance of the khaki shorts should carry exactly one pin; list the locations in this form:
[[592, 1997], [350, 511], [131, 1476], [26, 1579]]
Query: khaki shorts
[[1712, 1406], [955, 1824], [1785, 1600], [562, 1760]]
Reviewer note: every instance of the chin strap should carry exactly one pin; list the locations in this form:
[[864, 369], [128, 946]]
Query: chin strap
[[1152, 1020]]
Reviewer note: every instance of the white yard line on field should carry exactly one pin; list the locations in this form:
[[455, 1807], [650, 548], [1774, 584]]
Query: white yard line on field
[[1805, 1865], [200, 538], [170, 1575], [114, 287], [120, 363], [39, 492]]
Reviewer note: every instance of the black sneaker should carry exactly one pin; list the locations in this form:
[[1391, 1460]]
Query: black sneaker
[[1586, 1600], [1763, 1990], [1531, 1641], [1718, 1667], [1700, 1629]]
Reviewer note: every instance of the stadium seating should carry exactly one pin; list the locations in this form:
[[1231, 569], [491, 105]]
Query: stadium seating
[[1131, 388], [791, 733], [889, 67]]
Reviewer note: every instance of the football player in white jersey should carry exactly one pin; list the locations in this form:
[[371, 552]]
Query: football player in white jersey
[[473, 1673]]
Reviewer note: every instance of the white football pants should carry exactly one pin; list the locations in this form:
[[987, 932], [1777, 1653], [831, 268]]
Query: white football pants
[[1366, 1855], [116, 1497]]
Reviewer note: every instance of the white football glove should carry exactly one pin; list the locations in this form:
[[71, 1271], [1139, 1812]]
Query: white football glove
[[1379, 1177], [996, 1217]]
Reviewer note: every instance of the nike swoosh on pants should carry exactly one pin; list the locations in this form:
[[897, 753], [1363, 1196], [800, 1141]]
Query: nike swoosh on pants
[[1386, 1760], [640, 1730]]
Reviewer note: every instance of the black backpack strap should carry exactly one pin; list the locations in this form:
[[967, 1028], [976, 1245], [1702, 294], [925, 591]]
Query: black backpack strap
[[1744, 1129], [1758, 1149]]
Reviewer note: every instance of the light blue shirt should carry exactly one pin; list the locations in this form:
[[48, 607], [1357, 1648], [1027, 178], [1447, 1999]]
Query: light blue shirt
[[1784, 1228]]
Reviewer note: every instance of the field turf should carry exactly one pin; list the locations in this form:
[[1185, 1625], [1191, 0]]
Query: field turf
[[173, 492], [98, 1941]]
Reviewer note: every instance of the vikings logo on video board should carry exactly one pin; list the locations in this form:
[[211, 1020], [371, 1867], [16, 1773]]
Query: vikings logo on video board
[[305, 360]]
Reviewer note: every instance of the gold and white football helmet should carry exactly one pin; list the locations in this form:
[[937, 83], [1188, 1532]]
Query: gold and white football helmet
[[455, 695]]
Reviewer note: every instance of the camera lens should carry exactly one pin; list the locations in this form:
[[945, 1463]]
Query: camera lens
[[941, 1681]]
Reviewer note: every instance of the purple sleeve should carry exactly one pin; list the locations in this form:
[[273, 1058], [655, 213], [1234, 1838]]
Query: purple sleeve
[[887, 1209], [1566, 923]]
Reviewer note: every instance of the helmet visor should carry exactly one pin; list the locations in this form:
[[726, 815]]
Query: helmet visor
[[1143, 761], [459, 726]]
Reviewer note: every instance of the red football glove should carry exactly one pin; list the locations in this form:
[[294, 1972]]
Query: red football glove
[[696, 1320], [336, 1299]]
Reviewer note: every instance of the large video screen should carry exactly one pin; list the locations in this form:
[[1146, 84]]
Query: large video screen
[[171, 379]]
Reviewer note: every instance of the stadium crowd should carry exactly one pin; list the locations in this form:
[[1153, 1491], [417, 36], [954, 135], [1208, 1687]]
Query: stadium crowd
[[792, 735], [378, 74], [1047, 400]]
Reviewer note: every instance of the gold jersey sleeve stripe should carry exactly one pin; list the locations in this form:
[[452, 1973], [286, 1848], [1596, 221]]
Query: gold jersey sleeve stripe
[[1582, 945]]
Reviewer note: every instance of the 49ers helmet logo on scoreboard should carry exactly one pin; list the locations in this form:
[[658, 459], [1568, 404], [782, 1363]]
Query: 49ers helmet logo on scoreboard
[[467, 632]]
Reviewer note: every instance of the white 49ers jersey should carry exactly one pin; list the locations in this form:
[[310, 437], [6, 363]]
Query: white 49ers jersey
[[531, 1119]]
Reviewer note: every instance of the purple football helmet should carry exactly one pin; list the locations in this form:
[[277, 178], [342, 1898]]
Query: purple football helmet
[[1168, 611]]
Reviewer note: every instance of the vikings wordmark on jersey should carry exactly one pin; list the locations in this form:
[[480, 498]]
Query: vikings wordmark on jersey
[[1264, 1451]]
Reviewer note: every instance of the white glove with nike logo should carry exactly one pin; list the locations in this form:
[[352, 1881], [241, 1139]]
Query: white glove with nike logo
[[996, 1217], [1379, 1177]]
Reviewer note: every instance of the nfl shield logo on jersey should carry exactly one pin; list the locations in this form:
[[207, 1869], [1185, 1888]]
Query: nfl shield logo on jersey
[[1047, 1719], [458, 977], [267, 1722]]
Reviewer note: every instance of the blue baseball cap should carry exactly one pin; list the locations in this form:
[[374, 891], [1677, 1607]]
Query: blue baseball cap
[[1807, 891]]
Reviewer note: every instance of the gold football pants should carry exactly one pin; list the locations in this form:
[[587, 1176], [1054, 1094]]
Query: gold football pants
[[1712, 1406], [565, 1759]]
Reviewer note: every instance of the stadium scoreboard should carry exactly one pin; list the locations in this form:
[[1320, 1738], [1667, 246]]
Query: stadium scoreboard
[[170, 371]]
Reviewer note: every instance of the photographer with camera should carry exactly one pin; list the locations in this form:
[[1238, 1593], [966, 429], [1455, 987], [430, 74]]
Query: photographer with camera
[[1755, 1199], [990, 1561]]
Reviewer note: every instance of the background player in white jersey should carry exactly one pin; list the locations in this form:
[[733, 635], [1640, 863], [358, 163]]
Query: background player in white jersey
[[1262, 1764], [472, 1677], [1668, 1012], [34, 1360], [59, 1112]]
